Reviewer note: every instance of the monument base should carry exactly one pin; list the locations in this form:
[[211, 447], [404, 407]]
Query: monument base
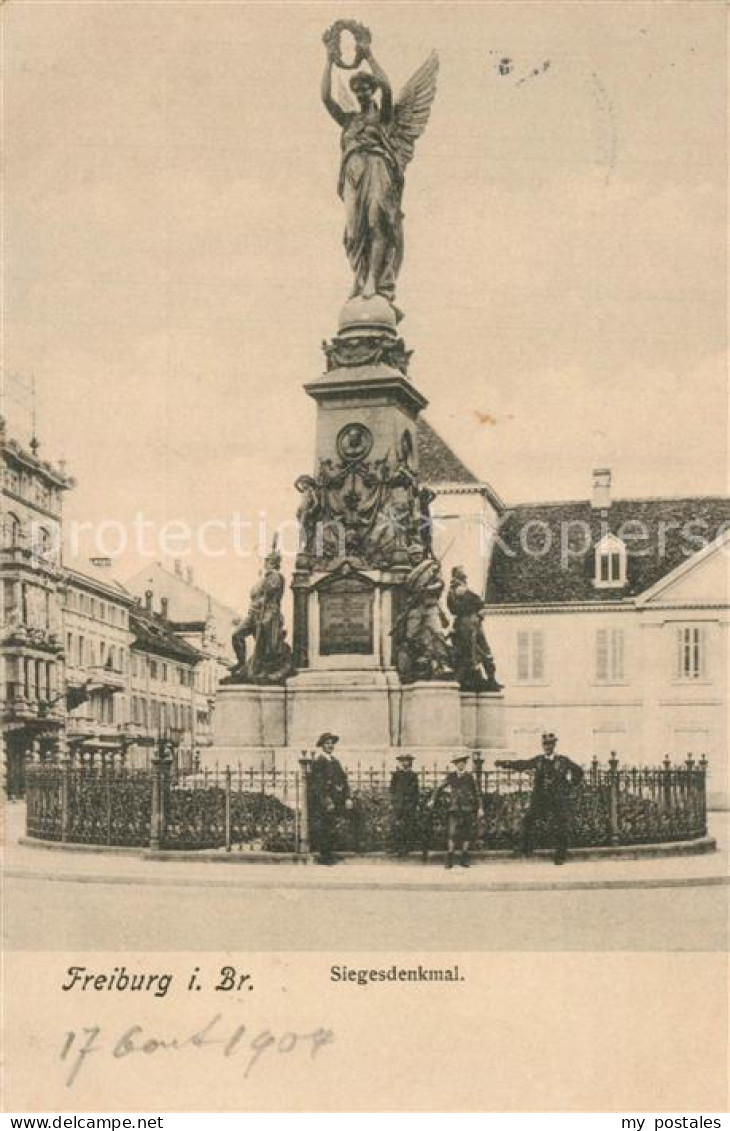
[[361, 706], [483, 720], [249, 716], [430, 715]]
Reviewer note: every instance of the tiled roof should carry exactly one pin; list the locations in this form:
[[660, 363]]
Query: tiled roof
[[545, 551], [153, 634], [437, 463]]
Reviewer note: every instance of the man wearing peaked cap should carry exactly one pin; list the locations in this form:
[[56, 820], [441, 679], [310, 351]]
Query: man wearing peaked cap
[[461, 790], [329, 796], [404, 793], [555, 777]]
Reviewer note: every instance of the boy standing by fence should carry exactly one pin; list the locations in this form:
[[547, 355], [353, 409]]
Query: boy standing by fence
[[461, 790]]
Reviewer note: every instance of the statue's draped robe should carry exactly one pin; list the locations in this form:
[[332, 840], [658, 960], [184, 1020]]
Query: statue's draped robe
[[371, 186]]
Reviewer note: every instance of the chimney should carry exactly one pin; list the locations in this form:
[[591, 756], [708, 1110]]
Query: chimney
[[163, 607], [148, 595], [601, 497], [178, 567]]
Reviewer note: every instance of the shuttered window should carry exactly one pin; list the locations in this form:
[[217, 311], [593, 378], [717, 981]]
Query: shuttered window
[[609, 655], [530, 656], [691, 651]]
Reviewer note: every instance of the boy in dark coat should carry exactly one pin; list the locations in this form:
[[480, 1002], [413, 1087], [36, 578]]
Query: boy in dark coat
[[461, 790], [404, 794]]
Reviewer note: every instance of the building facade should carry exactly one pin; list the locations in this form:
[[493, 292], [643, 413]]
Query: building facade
[[610, 621], [197, 618], [32, 683], [97, 641], [163, 701]]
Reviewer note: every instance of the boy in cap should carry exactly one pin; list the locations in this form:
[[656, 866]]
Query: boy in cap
[[404, 794], [329, 796], [461, 789], [555, 776]]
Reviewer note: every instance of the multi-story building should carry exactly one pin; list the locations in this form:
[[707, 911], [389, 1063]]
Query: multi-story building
[[199, 619], [97, 640], [163, 701], [609, 620], [32, 684]]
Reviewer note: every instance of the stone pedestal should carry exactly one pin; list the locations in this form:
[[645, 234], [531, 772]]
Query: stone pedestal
[[483, 720], [362, 706], [431, 715], [249, 716]]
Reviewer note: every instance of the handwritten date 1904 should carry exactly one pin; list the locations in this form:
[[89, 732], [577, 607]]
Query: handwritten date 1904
[[251, 1044]]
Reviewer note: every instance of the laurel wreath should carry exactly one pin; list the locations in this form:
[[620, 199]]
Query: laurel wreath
[[332, 40]]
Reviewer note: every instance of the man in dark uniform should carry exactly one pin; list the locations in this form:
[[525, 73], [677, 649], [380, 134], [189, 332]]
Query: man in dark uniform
[[555, 778], [461, 790], [329, 796], [404, 794]]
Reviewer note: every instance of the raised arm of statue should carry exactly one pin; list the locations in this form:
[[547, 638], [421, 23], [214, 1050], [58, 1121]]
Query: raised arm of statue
[[386, 93], [332, 106]]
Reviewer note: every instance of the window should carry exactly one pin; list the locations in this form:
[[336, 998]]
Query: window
[[92, 606], [691, 651], [102, 611], [164, 673], [531, 656], [153, 669], [610, 563], [12, 480], [610, 655], [11, 531]]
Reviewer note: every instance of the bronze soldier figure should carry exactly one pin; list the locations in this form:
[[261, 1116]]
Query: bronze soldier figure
[[555, 777], [473, 660]]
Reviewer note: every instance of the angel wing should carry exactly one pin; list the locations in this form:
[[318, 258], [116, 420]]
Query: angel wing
[[412, 109]]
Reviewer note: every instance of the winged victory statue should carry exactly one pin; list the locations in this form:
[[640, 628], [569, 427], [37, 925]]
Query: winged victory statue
[[378, 142]]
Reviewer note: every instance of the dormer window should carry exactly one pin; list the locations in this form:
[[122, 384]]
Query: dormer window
[[610, 563]]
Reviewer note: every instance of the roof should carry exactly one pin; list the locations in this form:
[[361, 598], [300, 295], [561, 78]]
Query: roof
[[544, 552], [437, 463], [187, 602], [153, 634], [98, 578]]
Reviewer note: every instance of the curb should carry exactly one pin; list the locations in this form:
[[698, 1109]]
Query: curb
[[373, 885], [699, 847]]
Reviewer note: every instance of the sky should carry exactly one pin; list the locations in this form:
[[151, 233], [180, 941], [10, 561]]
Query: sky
[[173, 249]]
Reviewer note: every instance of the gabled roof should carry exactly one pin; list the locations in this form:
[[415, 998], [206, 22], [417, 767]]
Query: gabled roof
[[437, 463], [153, 634], [544, 552]]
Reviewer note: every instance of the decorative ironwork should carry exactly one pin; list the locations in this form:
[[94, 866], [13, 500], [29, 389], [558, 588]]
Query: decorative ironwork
[[262, 808]]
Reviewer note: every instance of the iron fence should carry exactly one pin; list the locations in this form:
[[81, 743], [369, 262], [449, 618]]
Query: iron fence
[[266, 809]]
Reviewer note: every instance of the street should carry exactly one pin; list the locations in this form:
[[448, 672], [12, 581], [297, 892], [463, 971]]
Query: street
[[43, 914]]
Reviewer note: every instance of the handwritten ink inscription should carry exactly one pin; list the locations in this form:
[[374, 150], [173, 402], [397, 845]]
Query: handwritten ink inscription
[[250, 1044]]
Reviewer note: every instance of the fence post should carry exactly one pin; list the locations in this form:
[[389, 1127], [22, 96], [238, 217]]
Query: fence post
[[703, 793], [478, 761], [228, 808], [304, 763], [160, 780], [666, 791], [65, 763], [613, 796]]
